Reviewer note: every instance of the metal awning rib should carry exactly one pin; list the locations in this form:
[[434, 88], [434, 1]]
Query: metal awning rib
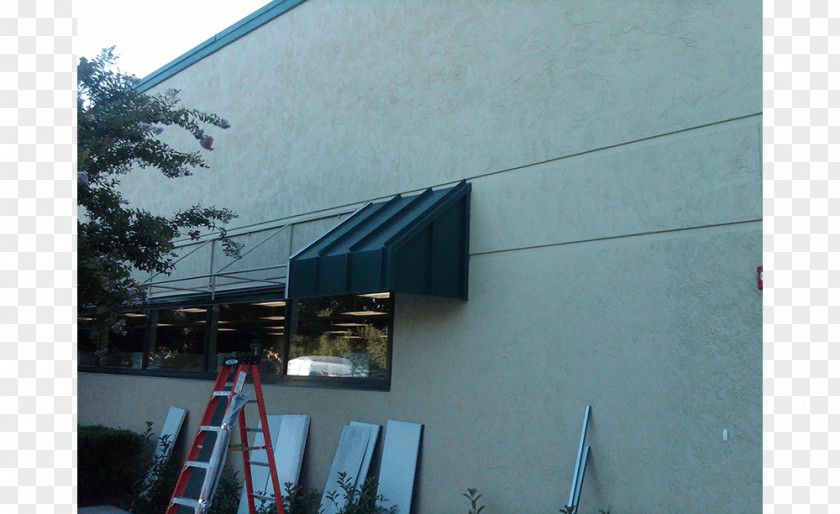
[[411, 244]]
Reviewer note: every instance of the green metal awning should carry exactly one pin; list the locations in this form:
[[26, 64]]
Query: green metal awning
[[409, 244]]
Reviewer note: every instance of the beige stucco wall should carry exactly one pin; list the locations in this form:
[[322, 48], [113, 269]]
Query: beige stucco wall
[[614, 152], [336, 102]]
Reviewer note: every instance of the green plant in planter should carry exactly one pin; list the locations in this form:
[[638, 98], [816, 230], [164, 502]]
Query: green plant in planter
[[473, 497]]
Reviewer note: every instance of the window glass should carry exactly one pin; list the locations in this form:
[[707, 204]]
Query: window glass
[[125, 342], [240, 324], [340, 336], [85, 346], [178, 341]]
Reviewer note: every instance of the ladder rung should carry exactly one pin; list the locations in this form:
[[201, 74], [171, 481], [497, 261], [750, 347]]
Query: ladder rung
[[244, 447], [252, 429], [197, 464], [258, 463], [221, 393], [262, 496], [188, 502], [210, 428]]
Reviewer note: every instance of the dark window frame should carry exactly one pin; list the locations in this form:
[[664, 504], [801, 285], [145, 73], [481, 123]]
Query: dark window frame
[[251, 295]]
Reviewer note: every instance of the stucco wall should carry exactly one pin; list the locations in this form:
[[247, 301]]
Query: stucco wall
[[614, 152], [336, 102]]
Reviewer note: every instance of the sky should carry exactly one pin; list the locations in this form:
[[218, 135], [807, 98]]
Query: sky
[[150, 33]]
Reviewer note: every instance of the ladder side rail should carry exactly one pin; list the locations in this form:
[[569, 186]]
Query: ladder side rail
[[198, 439], [269, 448], [246, 463]]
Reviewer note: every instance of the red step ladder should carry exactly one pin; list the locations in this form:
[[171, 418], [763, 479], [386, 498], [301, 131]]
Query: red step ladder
[[217, 446]]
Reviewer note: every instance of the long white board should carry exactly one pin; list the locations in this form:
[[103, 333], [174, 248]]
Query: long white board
[[349, 457], [371, 447], [288, 439], [399, 464], [170, 429], [166, 440]]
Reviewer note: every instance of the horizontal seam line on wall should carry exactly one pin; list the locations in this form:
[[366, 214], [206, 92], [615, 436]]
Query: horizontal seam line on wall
[[610, 147], [353, 205], [623, 236]]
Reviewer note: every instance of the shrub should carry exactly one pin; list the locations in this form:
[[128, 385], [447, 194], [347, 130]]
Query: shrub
[[153, 491], [109, 463], [296, 500], [358, 501]]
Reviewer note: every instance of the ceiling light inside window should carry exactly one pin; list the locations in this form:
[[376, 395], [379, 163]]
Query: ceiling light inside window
[[376, 295], [279, 303], [192, 309], [364, 313]]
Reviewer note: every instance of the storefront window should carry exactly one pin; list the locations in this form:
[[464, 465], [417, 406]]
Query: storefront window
[[240, 324], [337, 339], [178, 340], [125, 342], [340, 336]]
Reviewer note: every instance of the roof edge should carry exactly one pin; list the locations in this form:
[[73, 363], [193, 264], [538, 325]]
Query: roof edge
[[244, 26]]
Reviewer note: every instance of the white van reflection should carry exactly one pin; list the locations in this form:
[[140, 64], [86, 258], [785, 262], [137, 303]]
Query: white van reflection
[[325, 366]]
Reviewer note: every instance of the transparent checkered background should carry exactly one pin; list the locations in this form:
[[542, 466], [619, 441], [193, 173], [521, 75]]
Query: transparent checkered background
[[801, 256], [37, 207], [801, 244]]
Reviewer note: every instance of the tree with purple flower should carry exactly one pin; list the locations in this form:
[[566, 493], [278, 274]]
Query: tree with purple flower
[[118, 129], [206, 142]]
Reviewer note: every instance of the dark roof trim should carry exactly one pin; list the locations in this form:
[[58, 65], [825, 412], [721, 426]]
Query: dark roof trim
[[408, 244], [223, 38]]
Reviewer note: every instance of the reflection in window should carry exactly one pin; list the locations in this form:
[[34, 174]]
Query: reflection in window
[[86, 347], [178, 341], [340, 336], [240, 324], [125, 342]]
